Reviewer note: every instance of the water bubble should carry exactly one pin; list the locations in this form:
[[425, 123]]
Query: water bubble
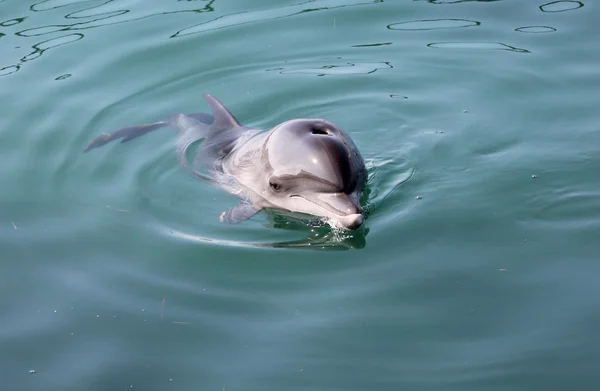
[[534, 176], [418, 197], [32, 371]]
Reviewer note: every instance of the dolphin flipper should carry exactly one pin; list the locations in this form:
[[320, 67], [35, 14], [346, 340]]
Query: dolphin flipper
[[242, 211]]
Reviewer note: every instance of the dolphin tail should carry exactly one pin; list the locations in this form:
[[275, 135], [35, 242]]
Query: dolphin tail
[[127, 134], [131, 132]]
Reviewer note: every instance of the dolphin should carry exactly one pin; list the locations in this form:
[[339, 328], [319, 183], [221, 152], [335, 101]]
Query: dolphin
[[301, 166]]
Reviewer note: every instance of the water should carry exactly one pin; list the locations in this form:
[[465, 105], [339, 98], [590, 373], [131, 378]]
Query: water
[[477, 266]]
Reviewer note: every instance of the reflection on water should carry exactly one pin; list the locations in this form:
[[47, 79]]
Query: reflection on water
[[345, 69], [63, 77], [95, 14], [41, 47], [457, 1], [100, 17], [536, 29], [319, 238], [433, 24], [91, 14], [477, 45], [561, 6], [12, 22], [242, 18], [366, 45], [9, 69]]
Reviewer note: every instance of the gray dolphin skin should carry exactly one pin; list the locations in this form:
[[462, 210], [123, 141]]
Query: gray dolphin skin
[[305, 166]]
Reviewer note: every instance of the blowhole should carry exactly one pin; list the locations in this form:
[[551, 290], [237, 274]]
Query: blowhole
[[319, 131]]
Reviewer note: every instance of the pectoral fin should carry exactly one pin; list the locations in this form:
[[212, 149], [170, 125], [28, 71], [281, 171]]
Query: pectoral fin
[[242, 211]]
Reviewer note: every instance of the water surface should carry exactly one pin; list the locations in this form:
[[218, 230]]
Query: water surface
[[477, 266]]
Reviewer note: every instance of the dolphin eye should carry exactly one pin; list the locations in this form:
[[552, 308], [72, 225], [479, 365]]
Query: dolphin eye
[[275, 186]]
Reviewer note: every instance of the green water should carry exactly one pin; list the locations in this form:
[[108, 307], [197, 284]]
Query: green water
[[477, 267]]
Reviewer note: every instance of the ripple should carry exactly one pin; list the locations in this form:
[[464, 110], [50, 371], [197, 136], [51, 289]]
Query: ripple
[[329, 240], [104, 18], [568, 210], [54, 4], [561, 6], [9, 69], [41, 47], [386, 177], [73, 15], [63, 77], [345, 69], [243, 18], [477, 45], [433, 24], [458, 1], [536, 29], [12, 22], [367, 45], [37, 31]]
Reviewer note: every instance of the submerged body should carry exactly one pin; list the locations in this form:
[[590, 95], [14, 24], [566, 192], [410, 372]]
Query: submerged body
[[307, 166]]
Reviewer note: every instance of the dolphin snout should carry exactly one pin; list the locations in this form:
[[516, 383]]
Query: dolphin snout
[[356, 221], [343, 208], [353, 221]]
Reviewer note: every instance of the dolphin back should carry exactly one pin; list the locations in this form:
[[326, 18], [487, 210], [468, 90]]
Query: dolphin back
[[220, 132]]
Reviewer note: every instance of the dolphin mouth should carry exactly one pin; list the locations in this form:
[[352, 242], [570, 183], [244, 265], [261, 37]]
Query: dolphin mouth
[[332, 206]]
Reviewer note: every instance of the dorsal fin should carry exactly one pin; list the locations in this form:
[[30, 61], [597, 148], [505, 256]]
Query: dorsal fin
[[223, 118]]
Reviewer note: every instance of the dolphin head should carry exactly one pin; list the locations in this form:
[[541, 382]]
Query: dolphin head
[[314, 168]]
